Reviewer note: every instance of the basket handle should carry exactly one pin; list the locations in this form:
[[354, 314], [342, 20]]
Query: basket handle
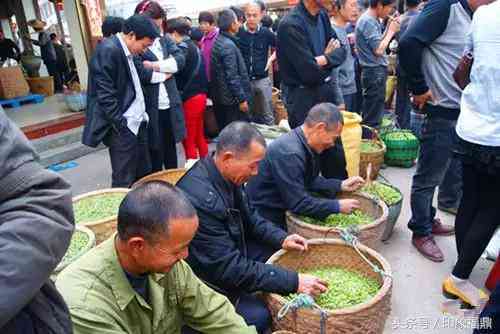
[[374, 132]]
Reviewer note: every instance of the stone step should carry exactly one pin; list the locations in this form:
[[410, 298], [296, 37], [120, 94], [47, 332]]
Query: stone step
[[60, 139]]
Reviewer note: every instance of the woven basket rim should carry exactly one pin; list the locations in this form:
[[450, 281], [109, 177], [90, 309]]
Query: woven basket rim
[[381, 150], [162, 172], [383, 291], [98, 193], [326, 230]]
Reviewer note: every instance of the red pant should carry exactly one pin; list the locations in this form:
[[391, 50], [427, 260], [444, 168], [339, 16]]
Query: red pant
[[195, 142]]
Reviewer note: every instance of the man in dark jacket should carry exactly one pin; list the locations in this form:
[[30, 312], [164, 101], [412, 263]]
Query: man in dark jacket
[[255, 42], [290, 172], [36, 223], [230, 82], [116, 111], [232, 244]]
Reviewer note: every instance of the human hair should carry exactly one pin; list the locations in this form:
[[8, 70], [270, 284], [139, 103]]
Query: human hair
[[374, 3], [53, 36], [148, 209], [262, 5], [267, 21], [240, 14], [327, 113], [412, 3], [180, 25], [237, 137], [112, 25], [151, 9], [225, 19], [196, 34], [141, 26], [206, 17]]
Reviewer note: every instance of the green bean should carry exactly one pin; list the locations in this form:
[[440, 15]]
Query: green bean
[[97, 207], [383, 192], [341, 220], [369, 147], [78, 241]]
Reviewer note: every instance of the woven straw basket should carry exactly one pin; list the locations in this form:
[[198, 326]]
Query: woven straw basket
[[171, 176], [375, 158], [369, 235], [366, 318], [283, 332], [103, 228]]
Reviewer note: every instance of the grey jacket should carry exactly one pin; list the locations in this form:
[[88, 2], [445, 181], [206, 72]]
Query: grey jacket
[[36, 224]]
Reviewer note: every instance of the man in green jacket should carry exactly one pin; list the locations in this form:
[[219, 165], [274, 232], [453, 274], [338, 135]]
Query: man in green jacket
[[137, 282]]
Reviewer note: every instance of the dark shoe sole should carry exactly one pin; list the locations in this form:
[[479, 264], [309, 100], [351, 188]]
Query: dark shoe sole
[[449, 295], [428, 257]]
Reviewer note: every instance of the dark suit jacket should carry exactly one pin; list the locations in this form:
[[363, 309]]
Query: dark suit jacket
[[151, 93], [110, 91]]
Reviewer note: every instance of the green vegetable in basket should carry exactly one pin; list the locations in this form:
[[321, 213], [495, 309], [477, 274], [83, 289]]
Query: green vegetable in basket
[[386, 122], [400, 135], [342, 220], [78, 241], [384, 192], [97, 207], [369, 147], [345, 288]]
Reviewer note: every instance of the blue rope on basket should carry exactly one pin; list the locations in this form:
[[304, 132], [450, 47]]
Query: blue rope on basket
[[303, 300]]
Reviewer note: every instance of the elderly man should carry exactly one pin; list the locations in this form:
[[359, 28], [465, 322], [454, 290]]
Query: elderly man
[[232, 244], [36, 222], [289, 174], [137, 282]]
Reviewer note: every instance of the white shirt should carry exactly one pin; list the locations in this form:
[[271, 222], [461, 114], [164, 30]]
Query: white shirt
[[479, 120], [168, 65], [136, 113]]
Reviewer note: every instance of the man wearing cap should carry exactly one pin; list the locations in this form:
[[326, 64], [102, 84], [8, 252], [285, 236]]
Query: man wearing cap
[[116, 112]]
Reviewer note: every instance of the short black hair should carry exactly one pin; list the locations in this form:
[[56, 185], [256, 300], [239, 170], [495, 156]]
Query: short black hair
[[180, 25], [196, 34], [267, 21], [142, 26], [148, 209], [374, 3], [237, 137], [412, 3], [327, 113], [112, 25], [206, 17], [225, 19], [240, 14], [53, 36]]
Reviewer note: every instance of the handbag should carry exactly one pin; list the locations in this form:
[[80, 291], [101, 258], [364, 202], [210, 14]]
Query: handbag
[[462, 72]]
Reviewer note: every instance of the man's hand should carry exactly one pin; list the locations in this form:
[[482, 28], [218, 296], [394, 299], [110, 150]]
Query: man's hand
[[295, 242], [311, 285], [244, 106], [352, 183], [394, 26], [347, 206], [151, 65], [333, 44], [270, 61], [420, 100]]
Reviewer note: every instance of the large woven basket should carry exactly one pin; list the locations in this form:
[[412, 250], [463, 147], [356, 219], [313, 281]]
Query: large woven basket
[[370, 235], [90, 244], [280, 112], [102, 228], [283, 332], [375, 158], [171, 176], [366, 318], [401, 152]]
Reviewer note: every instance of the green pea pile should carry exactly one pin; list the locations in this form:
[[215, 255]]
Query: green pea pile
[[345, 288], [386, 122], [383, 192], [97, 207], [78, 241], [399, 135], [342, 220], [369, 147]]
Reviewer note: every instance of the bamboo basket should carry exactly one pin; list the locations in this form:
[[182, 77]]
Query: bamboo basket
[[366, 318], [375, 158], [106, 227], [280, 112], [283, 332], [369, 235], [171, 176]]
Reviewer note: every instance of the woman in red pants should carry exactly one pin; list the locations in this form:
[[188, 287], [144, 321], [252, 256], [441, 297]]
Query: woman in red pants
[[193, 85]]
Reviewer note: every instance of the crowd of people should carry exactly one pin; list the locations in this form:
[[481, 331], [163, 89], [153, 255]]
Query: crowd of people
[[192, 258]]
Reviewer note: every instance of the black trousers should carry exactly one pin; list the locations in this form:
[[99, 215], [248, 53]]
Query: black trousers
[[55, 73], [226, 114], [166, 153], [478, 216], [129, 154]]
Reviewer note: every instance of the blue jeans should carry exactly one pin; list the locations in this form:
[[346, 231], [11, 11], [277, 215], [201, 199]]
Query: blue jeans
[[373, 81], [403, 104], [350, 102], [436, 167]]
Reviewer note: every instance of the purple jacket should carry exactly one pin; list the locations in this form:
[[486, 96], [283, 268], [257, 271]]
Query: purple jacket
[[207, 42]]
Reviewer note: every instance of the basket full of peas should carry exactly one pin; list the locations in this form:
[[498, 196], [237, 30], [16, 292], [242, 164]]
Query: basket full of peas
[[401, 148]]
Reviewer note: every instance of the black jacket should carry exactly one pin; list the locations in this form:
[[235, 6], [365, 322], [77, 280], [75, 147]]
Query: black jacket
[[194, 62], [217, 253], [230, 81], [152, 91], [296, 57], [287, 176], [36, 224], [110, 91], [255, 50]]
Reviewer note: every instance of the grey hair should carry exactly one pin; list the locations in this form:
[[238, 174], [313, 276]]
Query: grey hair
[[237, 137], [327, 113], [225, 19]]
